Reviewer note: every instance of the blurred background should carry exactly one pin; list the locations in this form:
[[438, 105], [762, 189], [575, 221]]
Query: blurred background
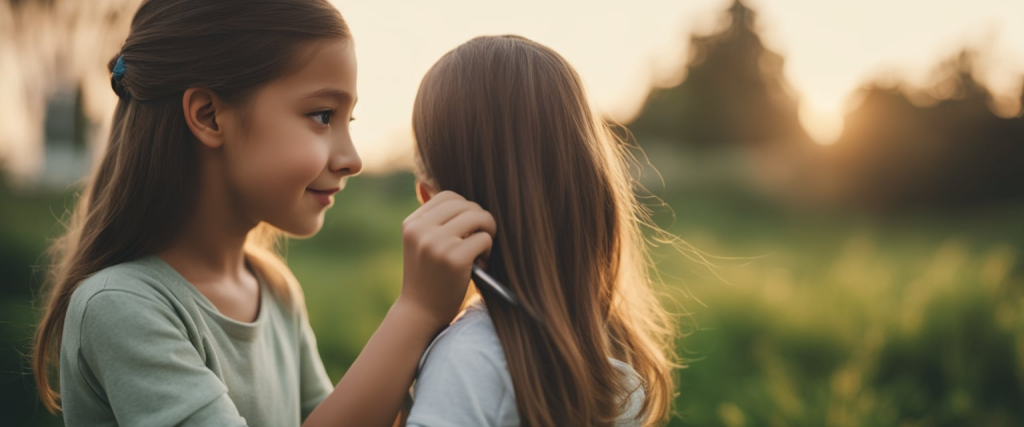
[[854, 171]]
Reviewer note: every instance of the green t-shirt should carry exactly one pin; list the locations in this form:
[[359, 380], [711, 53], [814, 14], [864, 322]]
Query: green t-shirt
[[142, 346]]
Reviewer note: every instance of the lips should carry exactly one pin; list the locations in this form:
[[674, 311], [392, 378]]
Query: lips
[[326, 192], [323, 196]]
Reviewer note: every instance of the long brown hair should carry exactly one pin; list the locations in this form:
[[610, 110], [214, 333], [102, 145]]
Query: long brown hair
[[505, 122], [146, 184]]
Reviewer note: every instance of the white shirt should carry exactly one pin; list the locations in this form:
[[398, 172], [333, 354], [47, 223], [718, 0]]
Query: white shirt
[[463, 379]]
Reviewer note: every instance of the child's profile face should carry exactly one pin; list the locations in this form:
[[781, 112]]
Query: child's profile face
[[294, 148]]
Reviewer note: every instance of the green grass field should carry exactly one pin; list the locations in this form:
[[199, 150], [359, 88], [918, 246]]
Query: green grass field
[[824, 318]]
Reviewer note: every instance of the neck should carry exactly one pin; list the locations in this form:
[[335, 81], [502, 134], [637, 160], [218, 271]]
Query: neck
[[210, 247]]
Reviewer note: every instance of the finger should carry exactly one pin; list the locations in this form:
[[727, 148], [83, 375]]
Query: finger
[[438, 243], [442, 197], [473, 247], [469, 222], [438, 200], [444, 213]]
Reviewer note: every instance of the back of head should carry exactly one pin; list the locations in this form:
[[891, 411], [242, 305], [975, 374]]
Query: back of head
[[146, 184], [505, 122]]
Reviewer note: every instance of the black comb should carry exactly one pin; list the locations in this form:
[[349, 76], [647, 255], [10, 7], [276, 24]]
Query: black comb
[[487, 283]]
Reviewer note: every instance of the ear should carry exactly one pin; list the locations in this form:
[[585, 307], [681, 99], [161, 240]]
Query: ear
[[424, 191], [201, 107]]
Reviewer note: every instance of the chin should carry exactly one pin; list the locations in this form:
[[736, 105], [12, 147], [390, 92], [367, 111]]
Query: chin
[[308, 232], [304, 230]]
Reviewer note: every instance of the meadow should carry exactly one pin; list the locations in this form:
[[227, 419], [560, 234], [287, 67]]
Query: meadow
[[790, 319]]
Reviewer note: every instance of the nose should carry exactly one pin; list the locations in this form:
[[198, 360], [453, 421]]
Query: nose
[[345, 160]]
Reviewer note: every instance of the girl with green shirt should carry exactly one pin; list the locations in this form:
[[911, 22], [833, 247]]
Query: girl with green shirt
[[167, 304]]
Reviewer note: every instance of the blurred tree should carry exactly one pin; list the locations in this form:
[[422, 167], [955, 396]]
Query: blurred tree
[[734, 93], [953, 151]]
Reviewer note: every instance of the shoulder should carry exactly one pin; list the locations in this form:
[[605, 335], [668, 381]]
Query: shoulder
[[121, 296], [141, 278], [472, 338], [463, 377], [634, 400]]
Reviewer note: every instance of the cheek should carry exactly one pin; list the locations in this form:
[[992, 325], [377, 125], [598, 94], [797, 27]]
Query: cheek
[[280, 163], [299, 156]]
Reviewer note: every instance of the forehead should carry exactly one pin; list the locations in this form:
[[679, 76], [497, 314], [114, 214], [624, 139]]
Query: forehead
[[330, 70]]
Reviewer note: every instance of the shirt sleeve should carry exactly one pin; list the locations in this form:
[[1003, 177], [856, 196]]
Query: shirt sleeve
[[463, 382], [146, 367], [315, 384]]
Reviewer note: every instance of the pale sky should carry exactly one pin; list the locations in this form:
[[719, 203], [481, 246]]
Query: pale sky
[[619, 48]]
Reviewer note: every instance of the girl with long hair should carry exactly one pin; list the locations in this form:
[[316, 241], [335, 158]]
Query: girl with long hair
[[166, 303], [505, 122]]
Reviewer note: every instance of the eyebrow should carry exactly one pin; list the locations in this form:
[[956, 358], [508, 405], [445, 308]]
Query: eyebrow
[[341, 96]]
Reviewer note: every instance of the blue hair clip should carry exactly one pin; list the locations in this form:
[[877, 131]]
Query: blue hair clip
[[119, 68]]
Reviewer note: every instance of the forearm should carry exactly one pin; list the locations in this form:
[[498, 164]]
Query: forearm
[[372, 391]]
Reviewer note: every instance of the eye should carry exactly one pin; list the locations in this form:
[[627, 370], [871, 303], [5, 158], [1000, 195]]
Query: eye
[[322, 117]]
